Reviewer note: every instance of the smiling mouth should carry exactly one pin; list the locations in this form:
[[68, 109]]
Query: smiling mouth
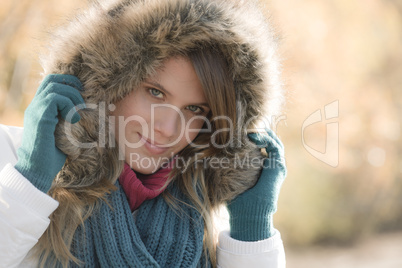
[[153, 147]]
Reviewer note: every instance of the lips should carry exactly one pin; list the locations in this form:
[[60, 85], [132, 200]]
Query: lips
[[152, 147]]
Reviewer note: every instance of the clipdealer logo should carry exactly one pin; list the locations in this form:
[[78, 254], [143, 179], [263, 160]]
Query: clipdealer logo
[[330, 156]]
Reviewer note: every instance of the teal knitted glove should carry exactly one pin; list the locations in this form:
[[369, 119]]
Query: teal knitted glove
[[251, 213], [39, 160]]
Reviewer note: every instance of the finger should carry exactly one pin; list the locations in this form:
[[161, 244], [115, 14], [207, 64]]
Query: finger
[[65, 91], [69, 80], [263, 140], [257, 139], [273, 146], [65, 107], [65, 79], [272, 134], [70, 115], [268, 142]]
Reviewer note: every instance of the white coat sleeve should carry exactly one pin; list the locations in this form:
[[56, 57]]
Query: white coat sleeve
[[268, 253], [24, 210]]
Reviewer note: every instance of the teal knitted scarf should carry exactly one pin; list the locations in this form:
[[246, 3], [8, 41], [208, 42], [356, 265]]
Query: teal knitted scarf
[[156, 236]]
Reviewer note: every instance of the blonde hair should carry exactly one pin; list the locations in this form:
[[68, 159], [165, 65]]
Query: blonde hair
[[214, 75], [79, 197]]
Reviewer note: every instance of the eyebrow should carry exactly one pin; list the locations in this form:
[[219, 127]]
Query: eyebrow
[[158, 85]]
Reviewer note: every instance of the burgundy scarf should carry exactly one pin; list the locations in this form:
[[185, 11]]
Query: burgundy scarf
[[139, 187]]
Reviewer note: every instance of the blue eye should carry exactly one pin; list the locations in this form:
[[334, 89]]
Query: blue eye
[[195, 109], [156, 93]]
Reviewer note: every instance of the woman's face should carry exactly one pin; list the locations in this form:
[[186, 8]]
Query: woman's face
[[161, 117]]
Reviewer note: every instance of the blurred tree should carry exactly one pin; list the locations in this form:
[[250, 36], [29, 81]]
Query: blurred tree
[[342, 50]]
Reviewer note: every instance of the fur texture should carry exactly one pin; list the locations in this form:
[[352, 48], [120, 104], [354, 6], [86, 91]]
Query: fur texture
[[113, 46]]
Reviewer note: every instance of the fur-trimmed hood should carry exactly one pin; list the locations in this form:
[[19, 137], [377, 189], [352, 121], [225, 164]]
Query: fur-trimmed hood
[[114, 45]]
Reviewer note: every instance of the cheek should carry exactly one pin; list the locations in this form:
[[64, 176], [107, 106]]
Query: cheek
[[135, 115], [133, 104], [192, 130]]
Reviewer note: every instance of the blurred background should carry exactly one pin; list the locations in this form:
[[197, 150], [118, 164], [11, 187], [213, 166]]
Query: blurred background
[[341, 204]]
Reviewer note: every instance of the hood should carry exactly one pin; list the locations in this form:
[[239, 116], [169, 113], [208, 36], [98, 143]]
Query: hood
[[114, 45]]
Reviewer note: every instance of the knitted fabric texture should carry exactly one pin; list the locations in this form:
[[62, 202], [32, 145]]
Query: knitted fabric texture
[[139, 187], [39, 160], [157, 236], [251, 213]]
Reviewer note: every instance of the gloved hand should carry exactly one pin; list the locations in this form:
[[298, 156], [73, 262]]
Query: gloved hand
[[251, 213], [39, 160]]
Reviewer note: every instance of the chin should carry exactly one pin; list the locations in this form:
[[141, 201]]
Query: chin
[[145, 164], [146, 170]]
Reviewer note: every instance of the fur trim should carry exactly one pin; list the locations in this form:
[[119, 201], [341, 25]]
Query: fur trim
[[113, 46]]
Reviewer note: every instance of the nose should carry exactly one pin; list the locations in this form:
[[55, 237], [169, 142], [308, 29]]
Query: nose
[[167, 122]]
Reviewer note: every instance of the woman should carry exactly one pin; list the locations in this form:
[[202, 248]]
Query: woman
[[148, 108]]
